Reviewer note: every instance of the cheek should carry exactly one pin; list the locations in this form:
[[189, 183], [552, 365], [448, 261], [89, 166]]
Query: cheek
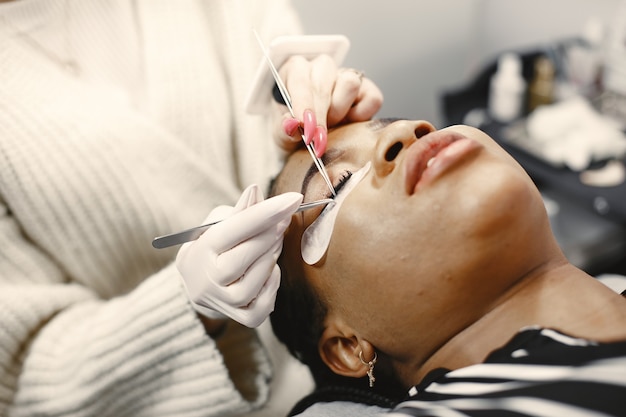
[[385, 234], [372, 235], [360, 240], [371, 283], [368, 269]]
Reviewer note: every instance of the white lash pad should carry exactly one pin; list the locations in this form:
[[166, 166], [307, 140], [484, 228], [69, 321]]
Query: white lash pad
[[316, 237]]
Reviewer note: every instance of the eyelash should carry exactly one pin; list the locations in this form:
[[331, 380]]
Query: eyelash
[[345, 176]]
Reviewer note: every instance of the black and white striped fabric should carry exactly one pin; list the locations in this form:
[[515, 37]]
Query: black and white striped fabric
[[540, 372]]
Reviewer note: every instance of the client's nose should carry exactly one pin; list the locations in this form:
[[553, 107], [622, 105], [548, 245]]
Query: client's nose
[[396, 137]]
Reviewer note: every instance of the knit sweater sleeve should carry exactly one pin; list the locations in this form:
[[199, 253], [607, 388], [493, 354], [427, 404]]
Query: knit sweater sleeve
[[93, 321], [66, 351]]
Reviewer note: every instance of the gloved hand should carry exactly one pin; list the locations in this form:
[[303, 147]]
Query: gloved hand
[[324, 96], [231, 270]]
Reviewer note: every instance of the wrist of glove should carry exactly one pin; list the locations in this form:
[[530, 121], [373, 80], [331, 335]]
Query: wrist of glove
[[231, 270]]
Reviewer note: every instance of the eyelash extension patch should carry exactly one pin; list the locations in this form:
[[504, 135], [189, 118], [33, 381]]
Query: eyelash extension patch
[[316, 237]]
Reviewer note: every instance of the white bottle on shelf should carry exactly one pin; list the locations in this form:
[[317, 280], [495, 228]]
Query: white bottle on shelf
[[507, 89]]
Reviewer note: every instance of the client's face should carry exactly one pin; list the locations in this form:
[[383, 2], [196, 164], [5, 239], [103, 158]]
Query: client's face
[[426, 241]]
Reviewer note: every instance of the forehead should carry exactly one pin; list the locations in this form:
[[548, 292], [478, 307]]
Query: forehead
[[342, 140]]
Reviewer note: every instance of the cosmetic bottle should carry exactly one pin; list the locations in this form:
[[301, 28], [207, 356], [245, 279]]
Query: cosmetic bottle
[[541, 88], [507, 89]]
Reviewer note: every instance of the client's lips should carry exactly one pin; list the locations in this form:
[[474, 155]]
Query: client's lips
[[446, 147]]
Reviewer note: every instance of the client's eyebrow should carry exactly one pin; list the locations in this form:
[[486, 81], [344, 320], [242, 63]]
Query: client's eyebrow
[[378, 124], [327, 159], [333, 154]]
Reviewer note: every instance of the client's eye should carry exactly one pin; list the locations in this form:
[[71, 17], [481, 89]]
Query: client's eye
[[345, 176]]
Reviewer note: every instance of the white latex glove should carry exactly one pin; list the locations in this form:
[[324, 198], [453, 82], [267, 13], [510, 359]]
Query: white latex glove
[[231, 269]]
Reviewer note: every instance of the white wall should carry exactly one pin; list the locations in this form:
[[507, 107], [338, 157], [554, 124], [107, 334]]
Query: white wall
[[414, 49]]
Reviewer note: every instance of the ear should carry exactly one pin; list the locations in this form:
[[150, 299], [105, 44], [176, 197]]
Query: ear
[[339, 348]]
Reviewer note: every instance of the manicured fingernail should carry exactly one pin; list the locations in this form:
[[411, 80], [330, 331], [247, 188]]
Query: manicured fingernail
[[290, 126], [321, 140], [310, 124]]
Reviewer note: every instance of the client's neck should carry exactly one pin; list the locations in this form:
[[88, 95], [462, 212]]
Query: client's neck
[[560, 296]]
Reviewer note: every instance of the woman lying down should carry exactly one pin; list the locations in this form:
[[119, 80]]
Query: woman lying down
[[434, 286]]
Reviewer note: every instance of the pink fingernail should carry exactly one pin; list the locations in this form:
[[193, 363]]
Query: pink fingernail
[[321, 140], [290, 126], [310, 124]]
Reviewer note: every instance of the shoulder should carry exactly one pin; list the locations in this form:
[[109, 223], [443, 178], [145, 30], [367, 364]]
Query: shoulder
[[615, 282], [543, 346], [538, 365]]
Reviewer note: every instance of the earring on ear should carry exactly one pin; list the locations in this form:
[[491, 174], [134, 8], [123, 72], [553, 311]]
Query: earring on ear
[[370, 365]]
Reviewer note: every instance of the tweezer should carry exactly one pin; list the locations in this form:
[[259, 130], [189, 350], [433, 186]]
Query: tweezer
[[188, 235], [287, 98]]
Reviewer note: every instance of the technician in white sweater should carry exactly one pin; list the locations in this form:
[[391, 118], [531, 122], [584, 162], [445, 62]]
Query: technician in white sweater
[[122, 120]]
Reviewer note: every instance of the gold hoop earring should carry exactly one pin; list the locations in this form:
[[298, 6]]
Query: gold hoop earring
[[370, 365]]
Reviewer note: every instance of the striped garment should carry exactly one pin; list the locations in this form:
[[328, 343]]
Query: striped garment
[[540, 372]]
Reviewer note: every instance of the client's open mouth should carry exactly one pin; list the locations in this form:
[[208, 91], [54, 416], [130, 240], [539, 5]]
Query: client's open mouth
[[433, 155]]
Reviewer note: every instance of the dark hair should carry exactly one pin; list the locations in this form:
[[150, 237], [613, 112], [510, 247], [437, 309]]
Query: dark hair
[[298, 322]]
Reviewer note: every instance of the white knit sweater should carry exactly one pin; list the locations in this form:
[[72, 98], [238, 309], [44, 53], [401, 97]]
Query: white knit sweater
[[146, 139]]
